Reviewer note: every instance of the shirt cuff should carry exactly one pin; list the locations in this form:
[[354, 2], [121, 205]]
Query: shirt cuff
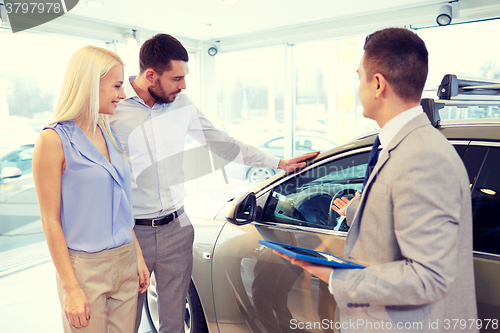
[[272, 161], [330, 283]]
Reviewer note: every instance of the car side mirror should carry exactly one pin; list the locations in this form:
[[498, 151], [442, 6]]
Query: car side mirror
[[10, 172], [243, 209]]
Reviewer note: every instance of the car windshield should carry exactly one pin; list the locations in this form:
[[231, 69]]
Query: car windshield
[[306, 198]]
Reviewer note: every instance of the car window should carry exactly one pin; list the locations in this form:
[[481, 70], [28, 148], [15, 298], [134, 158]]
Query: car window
[[305, 199], [486, 205], [473, 159], [460, 149], [20, 159]]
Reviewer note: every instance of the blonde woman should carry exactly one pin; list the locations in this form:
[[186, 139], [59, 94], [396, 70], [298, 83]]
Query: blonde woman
[[82, 181]]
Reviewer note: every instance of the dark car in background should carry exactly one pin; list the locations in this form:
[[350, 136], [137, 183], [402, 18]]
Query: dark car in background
[[239, 285]]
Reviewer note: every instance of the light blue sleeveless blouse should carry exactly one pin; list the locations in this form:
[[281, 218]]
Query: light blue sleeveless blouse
[[96, 196]]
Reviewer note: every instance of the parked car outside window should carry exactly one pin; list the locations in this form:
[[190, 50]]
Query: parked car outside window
[[275, 145]]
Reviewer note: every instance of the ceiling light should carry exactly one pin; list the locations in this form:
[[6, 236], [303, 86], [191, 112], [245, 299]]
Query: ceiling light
[[230, 2], [130, 38], [94, 4], [444, 15]]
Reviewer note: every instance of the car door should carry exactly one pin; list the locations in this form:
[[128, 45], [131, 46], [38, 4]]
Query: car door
[[482, 160], [255, 290]]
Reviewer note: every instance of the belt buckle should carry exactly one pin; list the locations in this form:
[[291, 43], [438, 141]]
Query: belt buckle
[[153, 222]]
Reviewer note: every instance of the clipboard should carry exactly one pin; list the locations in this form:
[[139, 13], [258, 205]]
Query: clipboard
[[317, 257]]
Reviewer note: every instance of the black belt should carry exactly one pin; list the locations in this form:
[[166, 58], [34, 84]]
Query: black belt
[[160, 220]]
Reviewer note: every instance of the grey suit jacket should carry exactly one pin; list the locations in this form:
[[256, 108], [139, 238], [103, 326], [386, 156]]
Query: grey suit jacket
[[412, 227]]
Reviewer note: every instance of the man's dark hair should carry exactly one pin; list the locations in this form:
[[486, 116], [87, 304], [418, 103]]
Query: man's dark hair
[[401, 57], [157, 52]]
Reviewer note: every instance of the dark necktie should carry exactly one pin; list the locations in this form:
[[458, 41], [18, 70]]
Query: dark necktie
[[372, 160]]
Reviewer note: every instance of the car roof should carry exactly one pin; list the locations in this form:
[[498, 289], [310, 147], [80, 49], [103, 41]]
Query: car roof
[[462, 130], [6, 151], [468, 129]]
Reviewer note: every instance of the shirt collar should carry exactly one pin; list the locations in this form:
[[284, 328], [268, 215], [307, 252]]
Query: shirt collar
[[131, 93], [129, 90], [393, 126]]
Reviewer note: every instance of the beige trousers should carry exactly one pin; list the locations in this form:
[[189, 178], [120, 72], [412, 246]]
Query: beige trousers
[[109, 280]]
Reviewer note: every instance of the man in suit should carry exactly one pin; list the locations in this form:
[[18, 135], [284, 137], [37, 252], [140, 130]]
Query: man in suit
[[412, 225]]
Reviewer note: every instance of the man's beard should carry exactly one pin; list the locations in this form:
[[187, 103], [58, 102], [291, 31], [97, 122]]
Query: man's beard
[[156, 95], [157, 92]]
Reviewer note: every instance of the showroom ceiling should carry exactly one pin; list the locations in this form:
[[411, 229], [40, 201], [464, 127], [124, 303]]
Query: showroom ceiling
[[253, 23], [210, 19]]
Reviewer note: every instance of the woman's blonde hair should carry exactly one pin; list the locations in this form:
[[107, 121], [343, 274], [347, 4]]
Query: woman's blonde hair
[[80, 90]]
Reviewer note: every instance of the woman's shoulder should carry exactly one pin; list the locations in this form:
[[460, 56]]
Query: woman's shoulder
[[65, 129], [67, 124], [49, 139], [49, 151]]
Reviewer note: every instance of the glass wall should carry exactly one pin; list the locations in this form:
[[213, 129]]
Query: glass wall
[[251, 98], [31, 75], [250, 104], [466, 50], [326, 91], [130, 56], [250, 87], [250, 93]]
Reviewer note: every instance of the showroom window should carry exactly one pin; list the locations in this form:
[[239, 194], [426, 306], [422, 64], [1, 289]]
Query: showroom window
[[251, 98], [467, 50], [326, 90], [250, 88], [30, 81], [250, 92], [463, 49]]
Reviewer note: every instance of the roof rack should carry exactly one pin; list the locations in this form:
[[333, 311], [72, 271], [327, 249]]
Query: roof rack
[[452, 87], [431, 109], [461, 92]]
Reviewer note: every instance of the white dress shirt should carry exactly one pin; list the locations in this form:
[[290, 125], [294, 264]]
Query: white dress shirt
[[393, 126], [386, 134], [154, 140]]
